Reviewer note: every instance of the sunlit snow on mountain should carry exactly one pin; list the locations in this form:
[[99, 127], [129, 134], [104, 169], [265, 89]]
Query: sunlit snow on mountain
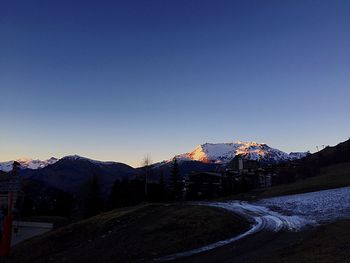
[[27, 163], [225, 152]]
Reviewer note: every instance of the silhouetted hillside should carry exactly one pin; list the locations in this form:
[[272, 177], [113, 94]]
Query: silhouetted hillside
[[330, 155], [72, 173]]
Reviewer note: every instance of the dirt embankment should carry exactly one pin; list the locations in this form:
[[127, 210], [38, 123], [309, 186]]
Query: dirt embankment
[[329, 243], [130, 235], [326, 244]]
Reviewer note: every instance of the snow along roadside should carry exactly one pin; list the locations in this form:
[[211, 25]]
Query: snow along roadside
[[263, 218]]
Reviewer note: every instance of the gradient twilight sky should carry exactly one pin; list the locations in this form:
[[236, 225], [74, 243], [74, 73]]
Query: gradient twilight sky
[[116, 80]]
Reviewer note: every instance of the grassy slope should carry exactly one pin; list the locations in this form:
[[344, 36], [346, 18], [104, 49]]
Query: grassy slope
[[331, 177], [129, 235], [330, 243], [334, 176]]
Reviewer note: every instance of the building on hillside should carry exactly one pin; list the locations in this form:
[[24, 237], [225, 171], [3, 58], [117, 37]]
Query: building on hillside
[[27, 228], [11, 198], [10, 190], [244, 175], [23, 230], [239, 163]]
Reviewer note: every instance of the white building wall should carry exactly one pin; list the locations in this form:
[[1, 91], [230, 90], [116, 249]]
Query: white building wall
[[22, 230]]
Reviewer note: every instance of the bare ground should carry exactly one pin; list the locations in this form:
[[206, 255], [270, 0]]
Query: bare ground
[[326, 244], [330, 243], [132, 235]]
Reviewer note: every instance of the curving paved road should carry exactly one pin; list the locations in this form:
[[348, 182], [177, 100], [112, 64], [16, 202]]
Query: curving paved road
[[270, 229], [262, 218]]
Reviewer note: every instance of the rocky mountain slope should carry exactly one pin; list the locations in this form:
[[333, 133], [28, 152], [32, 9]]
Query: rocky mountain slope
[[225, 152]]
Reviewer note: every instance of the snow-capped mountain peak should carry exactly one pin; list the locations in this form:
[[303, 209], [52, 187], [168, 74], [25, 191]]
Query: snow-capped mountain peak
[[225, 152], [81, 158], [27, 163]]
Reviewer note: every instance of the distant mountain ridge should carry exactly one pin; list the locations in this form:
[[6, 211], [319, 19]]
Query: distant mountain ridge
[[218, 153], [225, 152], [27, 163], [71, 173]]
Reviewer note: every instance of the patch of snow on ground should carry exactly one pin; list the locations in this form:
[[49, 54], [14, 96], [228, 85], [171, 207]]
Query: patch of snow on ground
[[272, 220], [284, 213], [322, 206]]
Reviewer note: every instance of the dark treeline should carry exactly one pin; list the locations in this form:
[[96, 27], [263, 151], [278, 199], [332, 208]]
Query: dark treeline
[[132, 192], [125, 192], [38, 199]]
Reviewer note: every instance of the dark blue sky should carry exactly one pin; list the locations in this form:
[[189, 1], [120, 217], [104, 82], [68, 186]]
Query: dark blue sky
[[119, 79]]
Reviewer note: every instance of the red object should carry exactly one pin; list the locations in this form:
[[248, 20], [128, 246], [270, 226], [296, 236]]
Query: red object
[[5, 246]]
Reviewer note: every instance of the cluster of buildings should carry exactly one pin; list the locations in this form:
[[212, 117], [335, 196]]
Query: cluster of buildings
[[240, 176]]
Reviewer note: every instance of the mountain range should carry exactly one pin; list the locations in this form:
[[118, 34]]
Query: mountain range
[[68, 185], [216, 153], [72, 175]]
